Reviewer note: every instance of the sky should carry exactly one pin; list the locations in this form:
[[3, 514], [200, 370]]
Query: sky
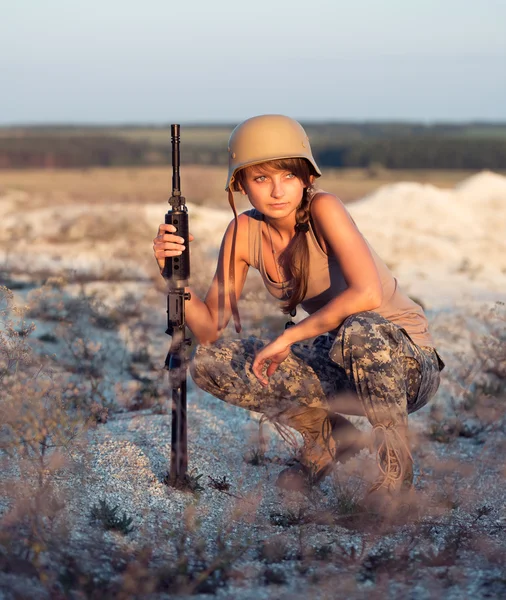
[[193, 61]]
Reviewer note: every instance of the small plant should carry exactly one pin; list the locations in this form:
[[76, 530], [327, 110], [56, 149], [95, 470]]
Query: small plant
[[273, 551], [222, 485], [347, 504], [275, 576], [483, 511], [312, 478], [379, 560], [196, 569], [445, 552], [108, 516], [444, 433], [346, 497], [352, 553], [191, 482], [255, 456], [288, 518], [323, 552]]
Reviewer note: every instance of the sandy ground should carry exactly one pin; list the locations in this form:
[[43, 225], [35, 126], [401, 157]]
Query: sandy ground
[[446, 246]]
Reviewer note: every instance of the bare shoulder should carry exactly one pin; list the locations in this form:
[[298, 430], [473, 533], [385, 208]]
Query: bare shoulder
[[324, 201], [242, 224], [241, 242], [332, 222]]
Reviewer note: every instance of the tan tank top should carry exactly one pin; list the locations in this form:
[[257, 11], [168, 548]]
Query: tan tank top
[[326, 281]]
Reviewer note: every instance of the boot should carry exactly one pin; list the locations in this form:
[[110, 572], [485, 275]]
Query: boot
[[327, 438], [395, 463]]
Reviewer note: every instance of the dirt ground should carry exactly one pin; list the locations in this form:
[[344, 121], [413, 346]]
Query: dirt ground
[[86, 421]]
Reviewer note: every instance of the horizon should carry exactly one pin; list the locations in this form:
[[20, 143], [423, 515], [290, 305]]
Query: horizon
[[204, 124]]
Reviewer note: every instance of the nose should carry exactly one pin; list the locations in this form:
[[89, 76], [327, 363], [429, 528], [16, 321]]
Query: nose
[[277, 189]]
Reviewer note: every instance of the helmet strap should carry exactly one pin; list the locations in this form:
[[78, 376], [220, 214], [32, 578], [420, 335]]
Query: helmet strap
[[231, 271]]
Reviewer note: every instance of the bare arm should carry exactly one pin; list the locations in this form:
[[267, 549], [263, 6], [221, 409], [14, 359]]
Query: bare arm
[[202, 316]]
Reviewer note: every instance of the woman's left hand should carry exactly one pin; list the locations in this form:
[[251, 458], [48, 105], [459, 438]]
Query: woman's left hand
[[274, 354]]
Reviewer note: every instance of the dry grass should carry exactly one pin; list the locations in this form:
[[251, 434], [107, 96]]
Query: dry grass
[[202, 185], [43, 442]]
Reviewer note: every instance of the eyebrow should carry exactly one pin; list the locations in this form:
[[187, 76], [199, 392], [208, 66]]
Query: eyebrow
[[267, 173]]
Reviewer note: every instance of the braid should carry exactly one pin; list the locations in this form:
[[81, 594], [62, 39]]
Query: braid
[[302, 214], [295, 259]]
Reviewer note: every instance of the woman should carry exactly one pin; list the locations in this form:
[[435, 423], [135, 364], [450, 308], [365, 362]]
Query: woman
[[373, 354]]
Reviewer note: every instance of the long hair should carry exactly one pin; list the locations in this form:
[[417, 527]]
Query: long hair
[[294, 260]]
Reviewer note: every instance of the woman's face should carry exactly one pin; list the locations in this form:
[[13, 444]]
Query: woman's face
[[274, 193]]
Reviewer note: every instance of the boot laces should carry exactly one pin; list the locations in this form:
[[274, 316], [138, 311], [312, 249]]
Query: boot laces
[[289, 437], [392, 452], [284, 431]]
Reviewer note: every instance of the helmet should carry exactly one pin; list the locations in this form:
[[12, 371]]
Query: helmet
[[267, 137]]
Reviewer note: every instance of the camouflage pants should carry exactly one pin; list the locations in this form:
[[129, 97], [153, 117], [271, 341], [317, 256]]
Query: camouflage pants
[[369, 358]]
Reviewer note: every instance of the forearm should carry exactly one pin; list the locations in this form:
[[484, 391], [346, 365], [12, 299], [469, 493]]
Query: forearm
[[331, 315]]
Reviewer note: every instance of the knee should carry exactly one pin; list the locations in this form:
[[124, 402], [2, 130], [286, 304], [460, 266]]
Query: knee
[[362, 335], [361, 328], [200, 366]]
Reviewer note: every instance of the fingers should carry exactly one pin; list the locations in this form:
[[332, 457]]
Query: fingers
[[167, 243], [272, 368], [164, 248], [257, 367], [167, 228]]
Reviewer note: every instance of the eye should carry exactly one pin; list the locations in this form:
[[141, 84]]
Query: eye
[[260, 178], [290, 175]]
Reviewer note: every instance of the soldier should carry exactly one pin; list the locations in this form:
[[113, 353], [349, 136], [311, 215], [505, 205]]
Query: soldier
[[372, 353]]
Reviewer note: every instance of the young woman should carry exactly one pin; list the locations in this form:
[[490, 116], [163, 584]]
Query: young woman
[[372, 353]]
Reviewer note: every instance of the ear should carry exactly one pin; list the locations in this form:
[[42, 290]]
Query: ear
[[241, 189], [311, 179]]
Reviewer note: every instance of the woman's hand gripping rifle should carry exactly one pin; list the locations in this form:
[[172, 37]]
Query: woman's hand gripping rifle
[[177, 273]]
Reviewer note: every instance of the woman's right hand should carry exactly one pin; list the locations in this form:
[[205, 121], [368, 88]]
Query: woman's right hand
[[167, 243]]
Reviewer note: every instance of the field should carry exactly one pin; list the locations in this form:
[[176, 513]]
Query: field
[[201, 185], [85, 511]]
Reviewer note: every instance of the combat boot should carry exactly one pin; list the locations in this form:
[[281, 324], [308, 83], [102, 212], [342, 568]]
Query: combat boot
[[327, 438], [395, 463]]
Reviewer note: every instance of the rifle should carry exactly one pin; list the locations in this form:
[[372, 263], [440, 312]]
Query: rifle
[[176, 272]]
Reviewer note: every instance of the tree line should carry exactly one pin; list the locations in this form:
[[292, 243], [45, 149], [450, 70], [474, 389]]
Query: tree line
[[413, 147]]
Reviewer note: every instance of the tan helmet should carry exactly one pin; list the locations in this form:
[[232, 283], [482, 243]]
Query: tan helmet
[[267, 137]]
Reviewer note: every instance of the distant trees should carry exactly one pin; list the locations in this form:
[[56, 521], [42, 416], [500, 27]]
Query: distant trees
[[417, 153], [62, 151], [366, 145]]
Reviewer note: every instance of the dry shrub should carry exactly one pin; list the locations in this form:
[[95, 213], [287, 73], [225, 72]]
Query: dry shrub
[[475, 378], [484, 373], [38, 435], [490, 349]]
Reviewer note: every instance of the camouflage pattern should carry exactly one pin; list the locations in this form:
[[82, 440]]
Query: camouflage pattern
[[369, 356]]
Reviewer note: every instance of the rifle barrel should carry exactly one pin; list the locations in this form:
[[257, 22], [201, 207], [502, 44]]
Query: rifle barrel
[[176, 182]]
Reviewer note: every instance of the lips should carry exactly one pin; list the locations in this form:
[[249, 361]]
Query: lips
[[279, 205]]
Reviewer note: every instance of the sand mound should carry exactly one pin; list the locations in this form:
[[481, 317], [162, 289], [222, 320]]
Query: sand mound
[[442, 244]]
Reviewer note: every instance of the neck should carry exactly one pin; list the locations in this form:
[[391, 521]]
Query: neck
[[283, 228]]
